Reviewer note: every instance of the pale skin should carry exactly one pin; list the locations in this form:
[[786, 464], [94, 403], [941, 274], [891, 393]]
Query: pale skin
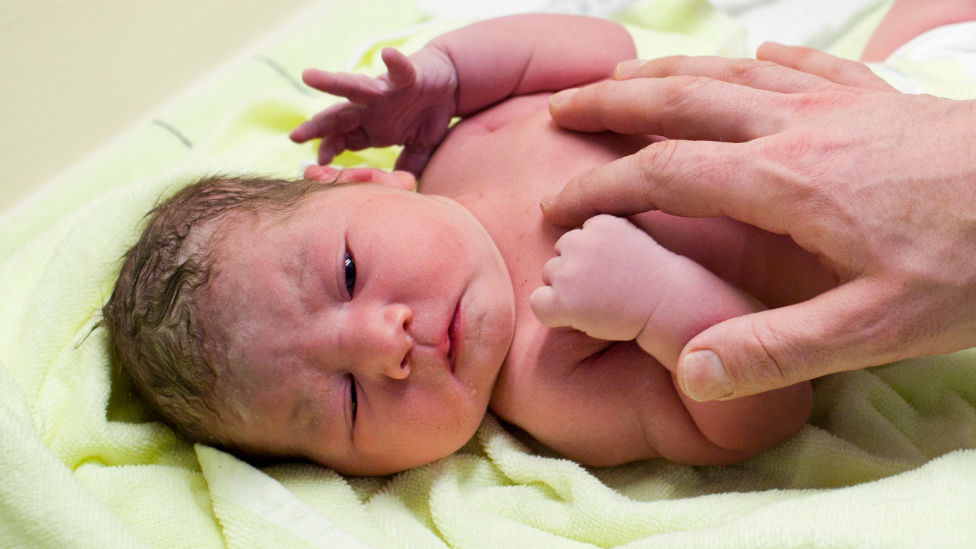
[[604, 398], [879, 185]]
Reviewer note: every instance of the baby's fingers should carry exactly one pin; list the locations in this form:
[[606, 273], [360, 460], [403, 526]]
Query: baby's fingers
[[337, 119], [413, 159], [351, 141], [545, 301], [400, 69], [357, 88], [545, 305]]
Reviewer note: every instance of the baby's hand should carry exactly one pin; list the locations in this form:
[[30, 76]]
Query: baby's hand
[[411, 105], [599, 282]]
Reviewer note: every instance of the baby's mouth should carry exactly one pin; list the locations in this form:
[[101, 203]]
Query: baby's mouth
[[453, 342]]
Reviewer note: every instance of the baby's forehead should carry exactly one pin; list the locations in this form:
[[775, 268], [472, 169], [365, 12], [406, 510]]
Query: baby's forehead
[[281, 237]]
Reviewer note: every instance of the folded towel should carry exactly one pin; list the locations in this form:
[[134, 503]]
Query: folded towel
[[888, 458]]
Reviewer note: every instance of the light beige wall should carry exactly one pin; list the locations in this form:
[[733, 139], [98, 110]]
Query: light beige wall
[[74, 74]]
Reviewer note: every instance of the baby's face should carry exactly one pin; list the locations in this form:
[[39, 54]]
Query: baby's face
[[367, 327]]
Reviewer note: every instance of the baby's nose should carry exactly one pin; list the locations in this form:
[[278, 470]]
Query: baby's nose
[[379, 341]]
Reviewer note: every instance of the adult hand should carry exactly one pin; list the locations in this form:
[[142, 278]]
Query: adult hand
[[880, 185]]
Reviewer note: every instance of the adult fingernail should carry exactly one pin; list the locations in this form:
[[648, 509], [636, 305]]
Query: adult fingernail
[[560, 98], [626, 69], [705, 377]]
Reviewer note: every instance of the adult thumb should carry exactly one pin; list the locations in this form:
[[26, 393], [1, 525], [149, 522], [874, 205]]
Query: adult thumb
[[843, 329]]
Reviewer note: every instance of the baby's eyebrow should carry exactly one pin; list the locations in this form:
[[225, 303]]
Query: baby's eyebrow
[[307, 281]]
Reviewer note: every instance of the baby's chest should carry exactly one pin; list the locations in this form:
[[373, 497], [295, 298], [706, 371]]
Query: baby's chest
[[502, 173]]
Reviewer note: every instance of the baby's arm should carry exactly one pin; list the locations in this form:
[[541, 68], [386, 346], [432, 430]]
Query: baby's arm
[[524, 54], [612, 281], [909, 18], [457, 74]]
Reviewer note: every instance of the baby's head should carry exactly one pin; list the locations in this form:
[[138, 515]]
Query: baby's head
[[357, 325]]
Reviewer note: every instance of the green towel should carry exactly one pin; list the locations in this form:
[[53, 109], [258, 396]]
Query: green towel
[[887, 460]]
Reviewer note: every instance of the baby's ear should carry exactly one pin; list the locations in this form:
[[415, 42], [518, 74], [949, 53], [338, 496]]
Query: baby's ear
[[401, 180], [328, 174], [322, 174], [397, 179]]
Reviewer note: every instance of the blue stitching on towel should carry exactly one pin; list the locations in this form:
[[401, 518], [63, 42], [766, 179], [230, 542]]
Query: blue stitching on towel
[[171, 129], [283, 73]]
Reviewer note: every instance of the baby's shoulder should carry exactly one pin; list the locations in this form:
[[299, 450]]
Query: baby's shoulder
[[538, 364]]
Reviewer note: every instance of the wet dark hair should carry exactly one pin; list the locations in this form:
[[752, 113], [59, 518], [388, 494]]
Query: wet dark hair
[[152, 318]]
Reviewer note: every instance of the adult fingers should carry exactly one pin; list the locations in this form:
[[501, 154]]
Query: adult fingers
[[677, 107], [814, 62], [685, 178], [847, 328], [764, 75]]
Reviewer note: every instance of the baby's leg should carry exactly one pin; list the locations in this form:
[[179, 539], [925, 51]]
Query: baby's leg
[[688, 299]]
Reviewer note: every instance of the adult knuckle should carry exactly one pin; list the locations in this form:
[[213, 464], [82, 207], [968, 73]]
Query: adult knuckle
[[853, 72], [806, 106], [770, 364], [655, 162], [860, 70], [672, 65], [679, 91], [800, 161], [575, 193], [748, 71]]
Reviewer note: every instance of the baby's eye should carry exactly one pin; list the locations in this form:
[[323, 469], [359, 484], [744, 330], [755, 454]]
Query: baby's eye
[[349, 268], [352, 397]]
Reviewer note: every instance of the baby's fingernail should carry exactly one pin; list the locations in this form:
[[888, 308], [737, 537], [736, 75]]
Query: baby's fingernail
[[560, 98], [705, 377], [546, 203], [626, 69]]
